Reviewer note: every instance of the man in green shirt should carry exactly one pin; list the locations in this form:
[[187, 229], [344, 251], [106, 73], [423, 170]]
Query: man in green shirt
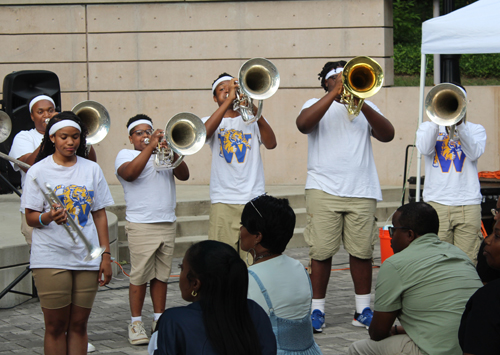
[[425, 284]]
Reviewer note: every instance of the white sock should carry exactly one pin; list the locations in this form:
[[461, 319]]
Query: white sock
[[362, 301], [136, 319], [156, 316], [318, 303]]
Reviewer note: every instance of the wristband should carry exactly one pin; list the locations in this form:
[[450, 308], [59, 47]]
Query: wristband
[[40, 220], [106, 252]]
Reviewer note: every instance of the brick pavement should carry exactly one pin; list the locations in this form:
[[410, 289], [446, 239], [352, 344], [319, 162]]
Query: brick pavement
[[22, 328]]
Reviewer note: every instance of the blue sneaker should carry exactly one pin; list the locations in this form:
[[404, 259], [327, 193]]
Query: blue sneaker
[[363, 319], [318, 321]]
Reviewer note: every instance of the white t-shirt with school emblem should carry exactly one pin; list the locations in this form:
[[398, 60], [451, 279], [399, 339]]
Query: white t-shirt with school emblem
[[451, 166], [82, 188], [237, 174]]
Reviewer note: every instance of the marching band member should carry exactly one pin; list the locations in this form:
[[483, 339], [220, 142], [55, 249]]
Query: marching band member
[[451, 181], [67, 284], [26, 145], [237, 173], [342, 190], [150, 215]]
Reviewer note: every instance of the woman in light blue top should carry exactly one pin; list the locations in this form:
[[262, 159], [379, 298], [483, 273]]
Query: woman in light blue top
[[278, 283]]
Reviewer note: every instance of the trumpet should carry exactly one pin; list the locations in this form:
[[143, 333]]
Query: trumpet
[[71, 228], [362, 77], [258, 79], [185, 134], [446, 105]]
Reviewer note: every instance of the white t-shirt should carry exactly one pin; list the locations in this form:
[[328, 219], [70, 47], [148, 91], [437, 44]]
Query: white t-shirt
[[82, 188], [451, 167], [25, 142], [237, 174], [151, 197], [287, 284], [340, 157]]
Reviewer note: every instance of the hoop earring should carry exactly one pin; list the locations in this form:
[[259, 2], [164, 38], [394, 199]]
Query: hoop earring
[[253, 256], [194, 293]]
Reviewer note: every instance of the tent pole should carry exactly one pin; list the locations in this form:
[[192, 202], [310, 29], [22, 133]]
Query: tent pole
[[420, 120]]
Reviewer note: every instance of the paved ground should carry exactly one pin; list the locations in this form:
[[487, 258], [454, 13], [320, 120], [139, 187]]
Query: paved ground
[[22, 327]]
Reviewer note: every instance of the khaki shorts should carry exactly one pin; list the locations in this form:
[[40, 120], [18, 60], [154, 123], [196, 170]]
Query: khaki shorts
[[151, 247], [58, 288], [26, 230], [224, 224], [332, 220], [460, 226]]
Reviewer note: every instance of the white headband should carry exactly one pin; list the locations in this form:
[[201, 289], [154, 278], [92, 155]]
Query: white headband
[[220, 80], [334, 72], [138, 122], [64, 123], [40, 98]]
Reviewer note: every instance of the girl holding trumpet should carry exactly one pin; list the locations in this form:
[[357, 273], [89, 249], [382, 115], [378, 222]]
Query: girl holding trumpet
[[66, 283]]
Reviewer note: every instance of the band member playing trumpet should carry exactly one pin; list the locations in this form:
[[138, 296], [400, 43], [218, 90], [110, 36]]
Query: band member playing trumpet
[[342, 190], [66, 283], [150, 214], [26, 144], [451, 181], [237, 173]]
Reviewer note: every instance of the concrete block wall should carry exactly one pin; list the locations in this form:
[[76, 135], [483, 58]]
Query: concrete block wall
[[161, 58]]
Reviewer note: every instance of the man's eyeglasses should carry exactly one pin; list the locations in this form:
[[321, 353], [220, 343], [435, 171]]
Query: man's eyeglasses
[[392, 229], [141, 132], [255, 199]]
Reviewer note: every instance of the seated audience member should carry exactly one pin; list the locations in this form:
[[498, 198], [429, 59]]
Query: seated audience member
[[425, 284], [479, 332], [278, 283], [220, 320]]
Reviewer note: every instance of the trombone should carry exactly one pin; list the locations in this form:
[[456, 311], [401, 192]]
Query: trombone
[[71, 228], [446, 105], [259, 80], [362, 78], [185, 134]]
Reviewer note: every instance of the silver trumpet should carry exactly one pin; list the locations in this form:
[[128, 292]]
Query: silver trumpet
[[259, 80], [72, 229], [185, 134]]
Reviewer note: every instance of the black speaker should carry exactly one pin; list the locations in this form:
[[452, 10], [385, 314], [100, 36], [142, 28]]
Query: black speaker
[[18, 89]]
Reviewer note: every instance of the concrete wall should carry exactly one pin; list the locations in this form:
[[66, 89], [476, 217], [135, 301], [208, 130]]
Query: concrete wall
[[161, 58]]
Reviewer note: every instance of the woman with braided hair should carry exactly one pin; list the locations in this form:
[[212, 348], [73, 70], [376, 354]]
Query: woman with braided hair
[[220, 320], [66, 282]]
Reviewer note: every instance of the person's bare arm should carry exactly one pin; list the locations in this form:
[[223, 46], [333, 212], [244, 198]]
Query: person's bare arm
[[382, 129], [131, 170], [309, 118], [380, 327], [215, 119], [101, 224]]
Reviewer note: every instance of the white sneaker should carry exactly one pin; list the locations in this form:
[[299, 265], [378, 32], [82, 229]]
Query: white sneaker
[[153, 326], [137, 334], [90, 348]]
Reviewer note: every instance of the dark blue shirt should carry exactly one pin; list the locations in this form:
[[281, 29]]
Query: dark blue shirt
[[181, 331]]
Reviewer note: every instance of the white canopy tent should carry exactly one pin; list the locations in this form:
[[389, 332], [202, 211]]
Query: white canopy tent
[[472, 29]]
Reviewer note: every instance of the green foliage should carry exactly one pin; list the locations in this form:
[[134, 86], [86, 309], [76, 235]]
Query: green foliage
[[405, 19], [407, 59]]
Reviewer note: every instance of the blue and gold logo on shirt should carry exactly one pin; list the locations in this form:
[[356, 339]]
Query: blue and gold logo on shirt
[[234, 143], [77, 201], [448, 153]]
